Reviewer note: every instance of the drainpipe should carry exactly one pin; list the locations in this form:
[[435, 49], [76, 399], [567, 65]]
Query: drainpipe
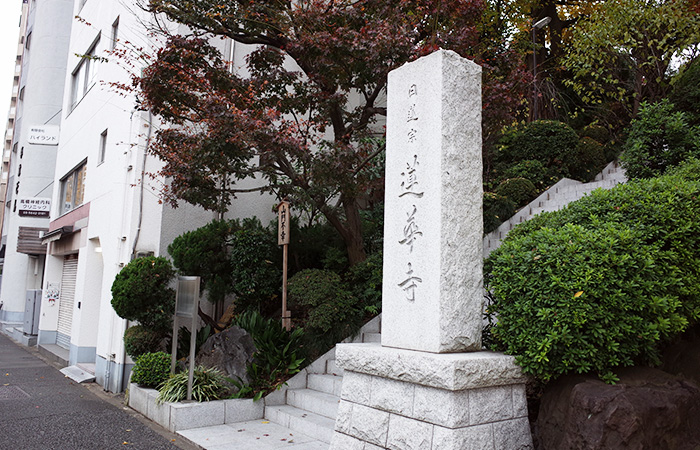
[[143, 175]]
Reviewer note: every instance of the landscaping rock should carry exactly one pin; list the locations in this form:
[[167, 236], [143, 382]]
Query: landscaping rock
[[682, 357], [229, 351], [647, 409]]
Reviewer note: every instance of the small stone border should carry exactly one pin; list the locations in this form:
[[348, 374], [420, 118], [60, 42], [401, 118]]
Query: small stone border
[[186, 415]]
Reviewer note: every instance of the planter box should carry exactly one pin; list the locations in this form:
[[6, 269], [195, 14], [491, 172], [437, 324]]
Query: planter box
[[186, 415]]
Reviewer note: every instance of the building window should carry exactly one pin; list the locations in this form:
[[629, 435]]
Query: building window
[[28, 41], [83, 76], [73, 188], [103, 148], [115, 33]]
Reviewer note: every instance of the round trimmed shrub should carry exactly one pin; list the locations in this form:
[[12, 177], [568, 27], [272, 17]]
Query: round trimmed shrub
[[551, 142], [577, 300], [497, 209], [520, 190], [532, 170], [204, 252], [659, 138], [324, 307], [588, 160], [151, 369], [365, 282], [602, 283], [139, 339], [141, 292], [598, 133]]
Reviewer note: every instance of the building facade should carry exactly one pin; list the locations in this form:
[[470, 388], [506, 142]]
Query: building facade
[[32, 158]]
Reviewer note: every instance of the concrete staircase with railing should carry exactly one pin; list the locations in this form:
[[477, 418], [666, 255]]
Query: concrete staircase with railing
[[556, 197]]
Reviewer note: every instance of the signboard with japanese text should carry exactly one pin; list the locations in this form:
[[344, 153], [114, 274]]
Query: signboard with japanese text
[[34, 207], [43, 135], [283, 223]]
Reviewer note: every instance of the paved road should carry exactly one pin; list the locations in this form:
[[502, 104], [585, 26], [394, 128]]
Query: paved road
[[41, 409]]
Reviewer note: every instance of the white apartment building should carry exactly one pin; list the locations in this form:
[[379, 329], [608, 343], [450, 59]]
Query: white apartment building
[[31, 159], [105, 207]]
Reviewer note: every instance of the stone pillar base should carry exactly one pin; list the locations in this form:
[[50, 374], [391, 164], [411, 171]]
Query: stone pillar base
[[407, 400]]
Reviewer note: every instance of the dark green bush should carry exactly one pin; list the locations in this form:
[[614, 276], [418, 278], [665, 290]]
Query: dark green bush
[[204, 253], [532, 170], [141, 292], [139, 339], [551, 142], [151, 369], [257, 275], [659, 138], [207, 384], [520, 191], [598, 133], [497, 209], [323, 305], [632, 252], [588, 161], [365, 282]]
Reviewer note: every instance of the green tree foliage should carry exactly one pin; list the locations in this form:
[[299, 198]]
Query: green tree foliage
[[622, 52], [204, 253], [602, 283], [685, 95], [142, 292], [293, 112], [659, 138], [324, 306], [232, 257]]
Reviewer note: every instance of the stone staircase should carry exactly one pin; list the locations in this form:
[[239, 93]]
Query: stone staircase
[[555, 198], [309, 404]]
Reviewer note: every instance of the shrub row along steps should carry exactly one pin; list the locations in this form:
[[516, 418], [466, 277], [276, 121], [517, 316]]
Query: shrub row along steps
[[556, 197], [308, 404]]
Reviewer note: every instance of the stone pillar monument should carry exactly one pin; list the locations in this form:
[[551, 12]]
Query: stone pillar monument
[[429, 385]]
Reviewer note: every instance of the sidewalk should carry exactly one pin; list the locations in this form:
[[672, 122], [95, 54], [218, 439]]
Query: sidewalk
[[42, 409]]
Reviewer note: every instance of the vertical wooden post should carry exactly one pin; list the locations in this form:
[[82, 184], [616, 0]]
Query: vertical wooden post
[[283, 225]]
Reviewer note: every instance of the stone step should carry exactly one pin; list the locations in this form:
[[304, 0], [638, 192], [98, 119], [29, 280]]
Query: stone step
[[333, 369], [371, 337], [330, 384], [313, 401], [305, 422]]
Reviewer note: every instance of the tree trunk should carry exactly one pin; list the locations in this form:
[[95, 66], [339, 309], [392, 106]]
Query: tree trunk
[[350, 230], [354, 242]]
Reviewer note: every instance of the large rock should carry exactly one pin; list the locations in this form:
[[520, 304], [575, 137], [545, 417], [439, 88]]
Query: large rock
[[229, 351], [647, 409]]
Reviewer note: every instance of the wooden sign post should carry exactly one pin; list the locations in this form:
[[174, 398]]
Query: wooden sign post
[[283, 228]]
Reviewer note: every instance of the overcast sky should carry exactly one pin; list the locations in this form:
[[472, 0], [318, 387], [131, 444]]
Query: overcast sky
[[9, 33]]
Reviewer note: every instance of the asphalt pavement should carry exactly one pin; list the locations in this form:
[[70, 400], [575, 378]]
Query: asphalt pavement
[[41, 409]]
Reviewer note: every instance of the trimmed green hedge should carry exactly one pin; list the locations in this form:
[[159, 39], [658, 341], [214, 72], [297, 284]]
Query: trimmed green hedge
[[602, 283], [151, 369], [141, 292]]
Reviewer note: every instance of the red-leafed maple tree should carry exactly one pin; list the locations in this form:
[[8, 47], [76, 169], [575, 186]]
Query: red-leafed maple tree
[[302, 116]]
